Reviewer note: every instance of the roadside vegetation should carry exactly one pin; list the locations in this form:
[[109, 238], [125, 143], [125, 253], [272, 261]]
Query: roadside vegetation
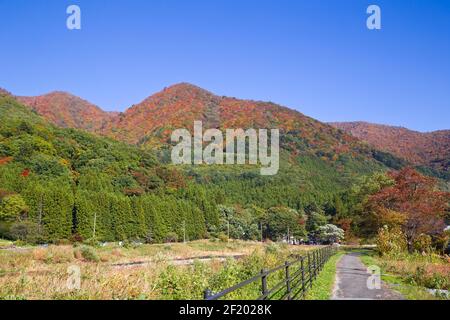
[[324, 285], [65, 193], [412, 274], [167, 271]]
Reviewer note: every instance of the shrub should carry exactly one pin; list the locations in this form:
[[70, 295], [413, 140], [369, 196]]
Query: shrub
[[391, 241], [89, 254], [171, 237], [428, 278], [272, 248], [223, 237], [77, 238], [25, 231], [92, 242], [184, 283], [423, 243]]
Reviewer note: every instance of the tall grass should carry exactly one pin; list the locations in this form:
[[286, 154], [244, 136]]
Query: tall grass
[[412, 273], [42, 273]]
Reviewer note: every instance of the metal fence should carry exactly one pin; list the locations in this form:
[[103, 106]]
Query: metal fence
[[296, 279]]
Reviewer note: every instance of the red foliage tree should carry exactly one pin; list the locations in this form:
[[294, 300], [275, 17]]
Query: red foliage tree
[[5, 160], [413, 203]]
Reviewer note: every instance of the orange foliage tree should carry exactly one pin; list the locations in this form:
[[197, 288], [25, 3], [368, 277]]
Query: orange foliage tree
[[413, 203]]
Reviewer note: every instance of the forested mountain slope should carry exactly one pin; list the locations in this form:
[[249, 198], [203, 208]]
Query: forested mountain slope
[[62, 180], [430, 149], [68, 111]]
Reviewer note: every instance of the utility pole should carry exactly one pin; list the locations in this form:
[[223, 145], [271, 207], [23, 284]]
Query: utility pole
[[288, 238], [95, 225], [261, 229], [40, 214]]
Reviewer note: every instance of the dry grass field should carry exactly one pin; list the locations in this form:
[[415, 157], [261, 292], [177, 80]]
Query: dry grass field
[[166, 271]]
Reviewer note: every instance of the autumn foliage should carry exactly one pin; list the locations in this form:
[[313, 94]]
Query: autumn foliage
[[427, 149], [413, 204]]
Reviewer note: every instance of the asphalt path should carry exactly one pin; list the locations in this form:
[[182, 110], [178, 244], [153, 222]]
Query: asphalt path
[[355, 282]]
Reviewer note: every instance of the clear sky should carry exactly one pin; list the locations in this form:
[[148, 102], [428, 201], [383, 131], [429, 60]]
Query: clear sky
[[315, 56]]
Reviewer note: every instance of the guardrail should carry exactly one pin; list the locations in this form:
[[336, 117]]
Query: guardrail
[[298, 277]]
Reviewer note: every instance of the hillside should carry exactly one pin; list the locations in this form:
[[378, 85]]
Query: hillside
[[62, 179], [4, 92], [150, 123], [423, 149], [180, 105], [55, 182], [68, 111]]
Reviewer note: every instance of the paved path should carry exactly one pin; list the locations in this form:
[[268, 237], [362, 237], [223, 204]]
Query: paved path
[[351, 282]]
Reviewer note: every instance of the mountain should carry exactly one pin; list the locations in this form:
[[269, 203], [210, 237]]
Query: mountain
[[423, 149], [316, 160], [150, 123], [59, 181], [68, 111], [4, 92], [180, 105], [63, 179]]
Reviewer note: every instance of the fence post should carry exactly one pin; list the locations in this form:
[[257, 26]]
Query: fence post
[[264, 283], [310, 270], [302, 265], [288, 280], [316, 264], [321, 259]]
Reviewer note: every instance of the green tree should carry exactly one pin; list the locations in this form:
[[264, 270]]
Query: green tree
[[282, 220], [315, 220], [12, 207]]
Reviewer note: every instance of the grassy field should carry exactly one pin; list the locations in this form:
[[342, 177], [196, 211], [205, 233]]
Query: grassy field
[[412, 274], [323, 287], [166, 271], [4, 243]]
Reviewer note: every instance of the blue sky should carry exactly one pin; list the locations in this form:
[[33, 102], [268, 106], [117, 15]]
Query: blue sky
[[314, 56]]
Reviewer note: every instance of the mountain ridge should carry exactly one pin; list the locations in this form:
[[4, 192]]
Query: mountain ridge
[[362, 122], [419, 148], [67, 110], [151, 121]]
